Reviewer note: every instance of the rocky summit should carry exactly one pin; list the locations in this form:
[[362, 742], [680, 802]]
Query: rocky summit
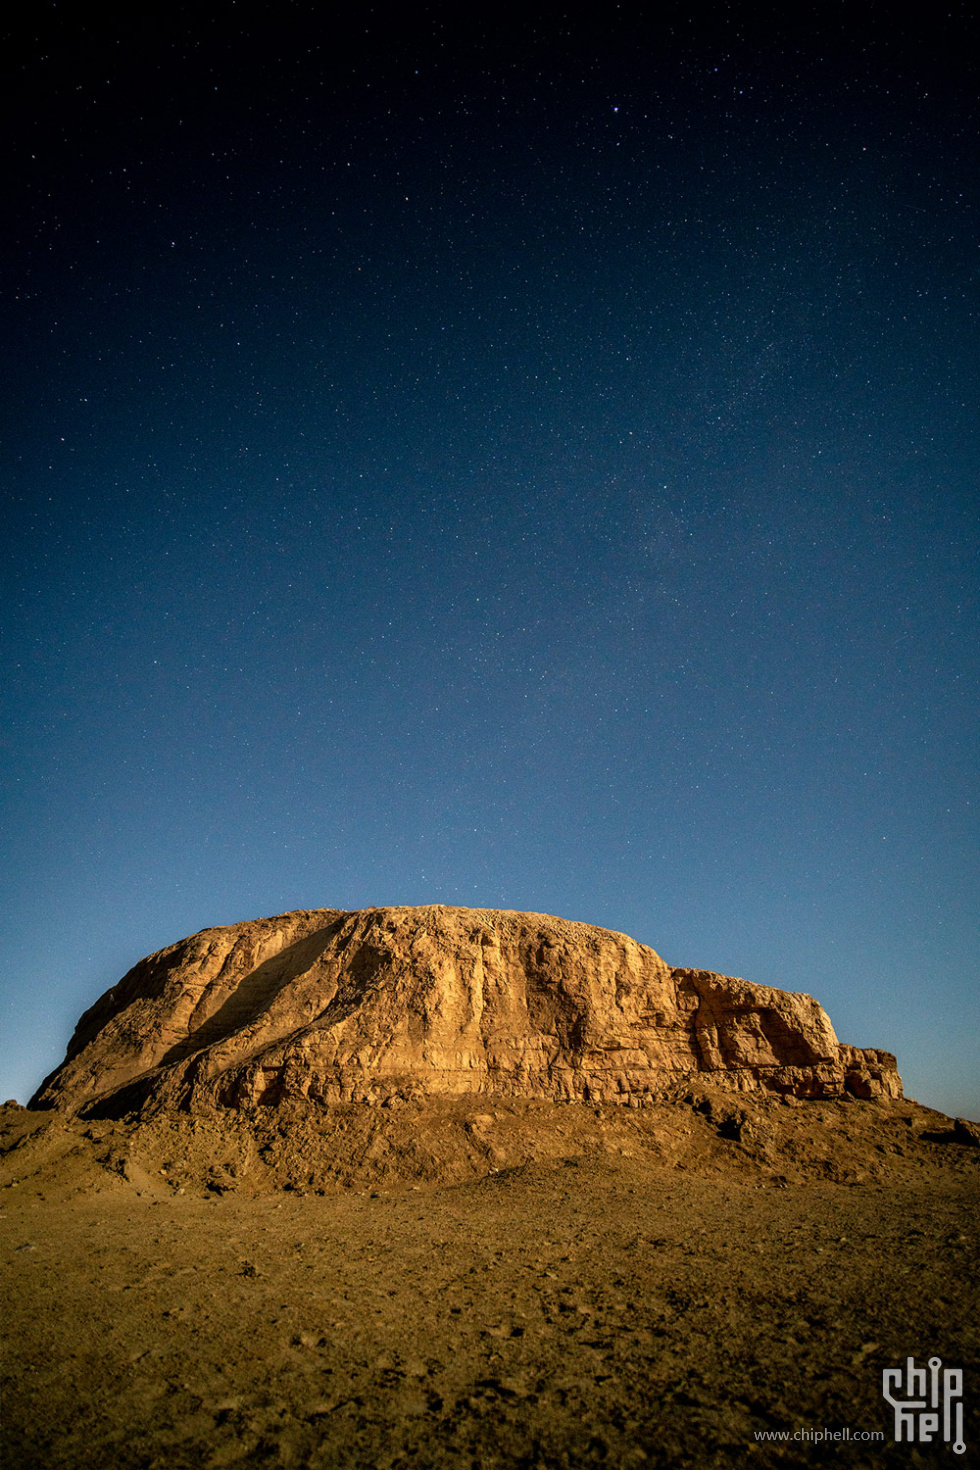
[[406, 1004]]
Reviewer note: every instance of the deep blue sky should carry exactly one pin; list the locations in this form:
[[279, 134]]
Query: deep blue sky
[[515, 465]]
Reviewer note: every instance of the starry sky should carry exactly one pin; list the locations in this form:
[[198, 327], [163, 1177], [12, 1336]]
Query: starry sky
[[510, 463]]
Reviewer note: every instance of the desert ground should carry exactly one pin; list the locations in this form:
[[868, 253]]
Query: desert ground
[[460, 1284]]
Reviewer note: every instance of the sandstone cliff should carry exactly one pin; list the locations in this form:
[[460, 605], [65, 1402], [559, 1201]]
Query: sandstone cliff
[[404, 1003]]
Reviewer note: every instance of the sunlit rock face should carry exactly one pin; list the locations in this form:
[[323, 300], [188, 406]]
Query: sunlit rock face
[[405, 1003]]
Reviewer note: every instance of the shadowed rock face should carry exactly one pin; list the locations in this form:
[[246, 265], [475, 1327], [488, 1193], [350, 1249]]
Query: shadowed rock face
[[410, 1002]]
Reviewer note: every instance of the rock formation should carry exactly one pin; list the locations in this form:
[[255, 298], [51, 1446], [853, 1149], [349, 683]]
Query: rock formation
[[391, 1003]]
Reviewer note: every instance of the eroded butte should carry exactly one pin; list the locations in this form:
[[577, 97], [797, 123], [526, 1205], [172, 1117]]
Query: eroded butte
[[389, 1005]]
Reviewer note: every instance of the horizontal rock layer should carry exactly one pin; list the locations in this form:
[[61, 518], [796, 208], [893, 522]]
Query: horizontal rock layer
[[407, 1002]]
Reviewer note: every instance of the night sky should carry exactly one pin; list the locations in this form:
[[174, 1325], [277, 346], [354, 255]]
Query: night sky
[[525, 464]]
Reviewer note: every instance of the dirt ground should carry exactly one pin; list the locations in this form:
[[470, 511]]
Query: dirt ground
[[468, 1284]]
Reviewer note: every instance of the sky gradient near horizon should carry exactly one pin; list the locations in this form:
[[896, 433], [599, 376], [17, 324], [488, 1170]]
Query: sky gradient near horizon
[[518, 466]]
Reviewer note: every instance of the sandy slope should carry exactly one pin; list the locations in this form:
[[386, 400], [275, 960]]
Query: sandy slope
[[628, 1289]]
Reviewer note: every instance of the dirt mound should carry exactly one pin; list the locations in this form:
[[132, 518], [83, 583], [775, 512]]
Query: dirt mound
[[308, 1149], [394, 1006]]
